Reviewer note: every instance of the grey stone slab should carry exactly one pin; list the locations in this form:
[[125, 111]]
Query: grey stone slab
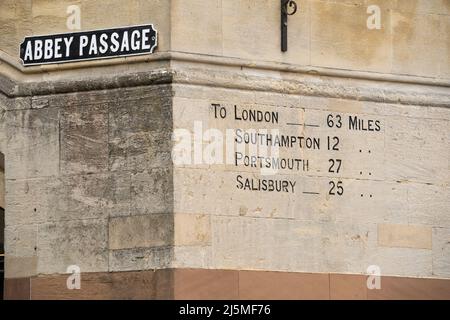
[[140, 259], [32, 143], [143, 231], [152, 192], [82, 243], [84, 139]]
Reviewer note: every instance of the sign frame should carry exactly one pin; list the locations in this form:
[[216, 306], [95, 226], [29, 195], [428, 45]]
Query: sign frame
[[154, 45]]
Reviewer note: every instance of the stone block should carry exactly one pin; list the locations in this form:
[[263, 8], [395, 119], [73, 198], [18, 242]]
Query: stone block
[[11, 30], [192, 30], [428, 205], [158, 13], [151, 192], [192, 257], [84, 139], [413, 33], [20, 267], [32, 143], [140, 130], [119, 193], [82, 197], [260, 22], [31, 201], [50, 17], [406, 262], [140, 259], [441, 252], [404, 236], [140, 231], [83, 243], [344, 41], [409, 142], [192, 229], [21, 240], [21, 251]]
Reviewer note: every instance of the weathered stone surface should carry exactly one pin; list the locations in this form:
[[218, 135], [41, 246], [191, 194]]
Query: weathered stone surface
[[192, 229], [21, 247], [89, 176], [409, 154], [412, 33], [151, 192], [240, 13], [301, 83], [49, 17], [10, 32], [140, 231], [404, 236], [21, 103], [395, 176], [21, 240], [32, 143], [119, 193], [31, 201], [76, 197], [322, 33], [82, 197], [283, 244], [140, 130], [428, 205], [192, 257], [405, 262], [83, 243], [386, 204], [236, 230], [185, 35], [84, 139], [140, 258], [441, 252], [345, 41], [59, 180], [20, 267]]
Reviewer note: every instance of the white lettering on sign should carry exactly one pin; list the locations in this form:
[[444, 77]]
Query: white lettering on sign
[[88, 45]]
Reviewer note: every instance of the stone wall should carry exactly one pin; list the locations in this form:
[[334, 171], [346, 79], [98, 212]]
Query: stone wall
[[393, 212], [322, 34], [84, 173], [90, 180]]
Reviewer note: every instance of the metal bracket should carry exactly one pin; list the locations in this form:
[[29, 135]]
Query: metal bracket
[[288, 8]]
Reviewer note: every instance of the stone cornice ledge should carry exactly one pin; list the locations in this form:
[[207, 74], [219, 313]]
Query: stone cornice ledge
[[233, 73], [320, 86], [60, 86]]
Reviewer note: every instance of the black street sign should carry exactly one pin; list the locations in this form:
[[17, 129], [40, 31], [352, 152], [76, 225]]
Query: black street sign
[[88, 45]]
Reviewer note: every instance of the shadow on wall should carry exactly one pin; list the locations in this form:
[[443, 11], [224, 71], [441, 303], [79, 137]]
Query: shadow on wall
[[2, 223]]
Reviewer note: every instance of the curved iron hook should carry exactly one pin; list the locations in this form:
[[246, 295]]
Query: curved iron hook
[[288, 8], [290, 4]]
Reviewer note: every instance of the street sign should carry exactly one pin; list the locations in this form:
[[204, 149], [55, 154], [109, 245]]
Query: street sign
[[88, 45]]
